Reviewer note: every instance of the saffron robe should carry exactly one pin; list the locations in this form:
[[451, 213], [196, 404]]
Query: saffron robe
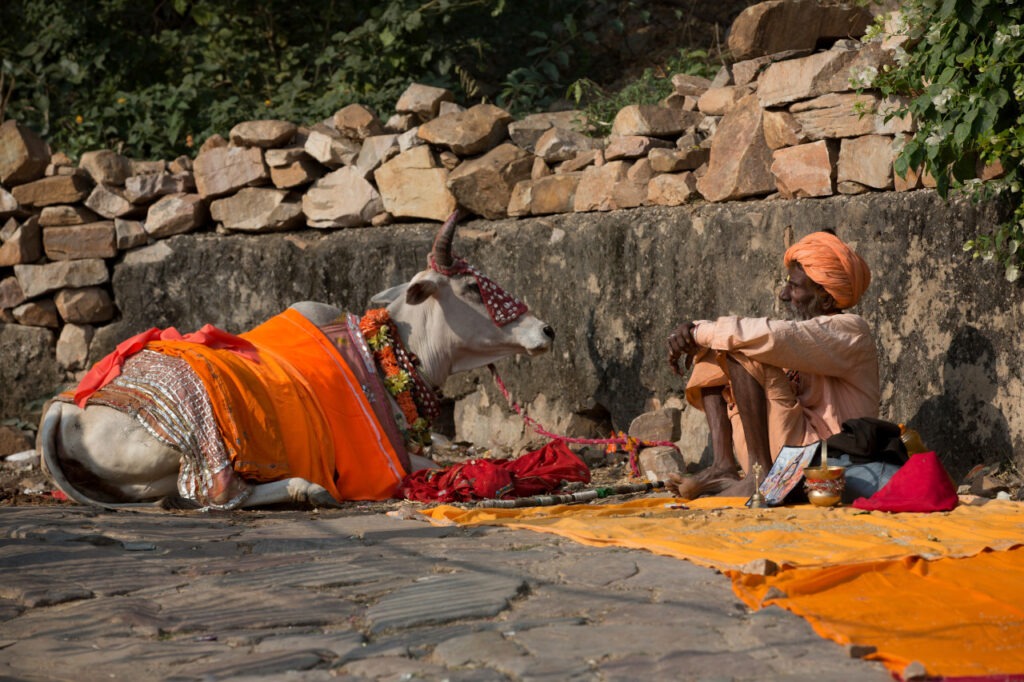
[[816, 373]]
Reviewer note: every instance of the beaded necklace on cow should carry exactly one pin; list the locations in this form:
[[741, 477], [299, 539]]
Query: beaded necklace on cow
[[621, 442], [416, 399]]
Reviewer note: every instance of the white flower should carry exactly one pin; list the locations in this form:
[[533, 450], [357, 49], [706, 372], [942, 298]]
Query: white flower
[[942, 99], [1014, 30], [863, 77], [898, 23], [901, 55], [935, 139], [873, 31], [1000, 38]]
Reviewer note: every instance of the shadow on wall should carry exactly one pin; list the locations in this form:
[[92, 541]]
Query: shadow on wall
[[961, 424], [614, 394]]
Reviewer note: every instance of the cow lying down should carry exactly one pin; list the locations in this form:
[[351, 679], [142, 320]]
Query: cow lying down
[[314, 406]]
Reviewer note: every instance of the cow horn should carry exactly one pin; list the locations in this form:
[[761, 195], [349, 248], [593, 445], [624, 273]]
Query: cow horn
[[443, 241]]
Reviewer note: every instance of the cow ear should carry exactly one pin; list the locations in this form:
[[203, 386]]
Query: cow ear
[[384, 298], [420, 291]]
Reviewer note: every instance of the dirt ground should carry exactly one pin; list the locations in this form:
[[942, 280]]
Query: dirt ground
[[23, 483]]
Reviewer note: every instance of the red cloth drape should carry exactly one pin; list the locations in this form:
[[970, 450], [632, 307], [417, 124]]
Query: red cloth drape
[[534, 473], [921, 485]]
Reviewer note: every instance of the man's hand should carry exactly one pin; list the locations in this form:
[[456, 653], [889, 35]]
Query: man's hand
[[680, 342]]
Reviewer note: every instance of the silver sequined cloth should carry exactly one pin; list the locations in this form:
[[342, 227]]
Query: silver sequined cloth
[[170, 401]]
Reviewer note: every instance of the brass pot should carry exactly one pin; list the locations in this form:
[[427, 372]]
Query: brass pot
[[824, 485]]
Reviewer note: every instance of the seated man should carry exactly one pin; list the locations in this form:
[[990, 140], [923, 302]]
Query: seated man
[[766, 383]]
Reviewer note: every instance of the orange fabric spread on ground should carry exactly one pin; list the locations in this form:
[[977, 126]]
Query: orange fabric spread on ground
[[298, 412], [855, 576], [958, 617]]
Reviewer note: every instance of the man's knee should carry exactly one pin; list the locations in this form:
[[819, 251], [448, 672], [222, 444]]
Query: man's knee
[[774, 383], [745, 372]]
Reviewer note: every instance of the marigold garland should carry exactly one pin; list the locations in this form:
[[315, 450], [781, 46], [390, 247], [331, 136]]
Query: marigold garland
[[399, 368]]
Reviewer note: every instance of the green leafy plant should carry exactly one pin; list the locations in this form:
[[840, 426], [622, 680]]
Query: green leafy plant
[[960, 72], [154, 78], [599, 105]]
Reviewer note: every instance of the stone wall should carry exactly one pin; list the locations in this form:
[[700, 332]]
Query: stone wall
[[94, 251]]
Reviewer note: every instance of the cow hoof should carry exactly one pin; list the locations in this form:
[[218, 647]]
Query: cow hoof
[[301, 491], [318, 496]]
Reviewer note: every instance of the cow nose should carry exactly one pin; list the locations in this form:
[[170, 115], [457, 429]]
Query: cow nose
[[549, 332]]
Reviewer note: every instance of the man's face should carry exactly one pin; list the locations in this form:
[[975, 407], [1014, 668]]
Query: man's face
[[805, 297]]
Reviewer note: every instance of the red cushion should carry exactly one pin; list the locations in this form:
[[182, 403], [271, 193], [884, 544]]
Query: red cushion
[[921, 485]]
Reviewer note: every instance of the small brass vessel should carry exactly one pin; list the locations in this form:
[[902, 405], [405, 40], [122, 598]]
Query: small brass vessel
[[824, 485]]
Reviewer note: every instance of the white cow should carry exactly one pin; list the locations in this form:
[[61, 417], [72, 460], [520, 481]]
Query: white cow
[[101, 456]]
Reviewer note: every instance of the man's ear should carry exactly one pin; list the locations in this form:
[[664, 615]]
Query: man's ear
[[828, 304]]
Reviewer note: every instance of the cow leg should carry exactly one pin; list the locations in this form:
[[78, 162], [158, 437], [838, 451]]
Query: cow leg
[[290, 491], [416, 462], [108, 456]]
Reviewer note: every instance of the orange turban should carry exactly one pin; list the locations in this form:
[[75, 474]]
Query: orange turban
[[832, 264]]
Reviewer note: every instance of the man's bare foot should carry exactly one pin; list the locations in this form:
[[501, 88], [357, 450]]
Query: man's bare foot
[[741, 488], [707, 482]]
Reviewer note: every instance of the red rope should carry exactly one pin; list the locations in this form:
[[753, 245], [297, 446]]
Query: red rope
[[623, 441]]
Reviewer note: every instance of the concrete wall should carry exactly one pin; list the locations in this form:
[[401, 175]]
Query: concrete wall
[[613, 285]]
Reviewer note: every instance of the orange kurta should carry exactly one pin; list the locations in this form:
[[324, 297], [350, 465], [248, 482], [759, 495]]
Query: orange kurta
[[835, 357], [297, 412]]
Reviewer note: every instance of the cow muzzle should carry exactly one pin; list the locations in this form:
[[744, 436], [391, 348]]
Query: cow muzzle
[[535, 336]]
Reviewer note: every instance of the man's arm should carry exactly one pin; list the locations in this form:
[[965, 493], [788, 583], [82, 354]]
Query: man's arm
[[832, 345]]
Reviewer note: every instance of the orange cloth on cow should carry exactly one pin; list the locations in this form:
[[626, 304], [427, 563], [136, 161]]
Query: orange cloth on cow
[[834, 357], [844, 570], [296, 412], [832, 264]]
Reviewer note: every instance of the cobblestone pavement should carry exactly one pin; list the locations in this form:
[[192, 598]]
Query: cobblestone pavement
[[299, 595]]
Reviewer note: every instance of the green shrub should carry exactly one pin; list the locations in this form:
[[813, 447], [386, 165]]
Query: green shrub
[[961, 70], [152, 78], [600, 105]]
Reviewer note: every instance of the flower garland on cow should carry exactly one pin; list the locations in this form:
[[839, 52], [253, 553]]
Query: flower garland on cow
[[416, 400]]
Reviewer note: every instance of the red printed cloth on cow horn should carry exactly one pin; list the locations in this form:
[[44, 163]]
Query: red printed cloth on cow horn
[[502, 306], [921, 485], [536, 472]]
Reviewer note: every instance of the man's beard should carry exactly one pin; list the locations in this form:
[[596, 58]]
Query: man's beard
[[813, 309]]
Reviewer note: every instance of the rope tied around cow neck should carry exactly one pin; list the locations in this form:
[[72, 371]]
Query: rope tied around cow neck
[[621, 442]]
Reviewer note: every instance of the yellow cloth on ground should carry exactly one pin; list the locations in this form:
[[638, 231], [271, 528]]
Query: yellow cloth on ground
[[847, 571]]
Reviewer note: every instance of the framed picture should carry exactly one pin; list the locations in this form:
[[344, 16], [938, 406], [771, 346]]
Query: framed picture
[[786, 472]]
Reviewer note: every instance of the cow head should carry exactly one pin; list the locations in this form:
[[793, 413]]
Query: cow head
[[455, 318]]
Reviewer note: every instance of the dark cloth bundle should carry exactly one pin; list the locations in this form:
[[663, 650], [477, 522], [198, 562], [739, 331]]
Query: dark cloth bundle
[[867, 440]]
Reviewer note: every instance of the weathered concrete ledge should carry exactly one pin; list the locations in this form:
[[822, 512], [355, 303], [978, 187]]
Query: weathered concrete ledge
[[613, 285]]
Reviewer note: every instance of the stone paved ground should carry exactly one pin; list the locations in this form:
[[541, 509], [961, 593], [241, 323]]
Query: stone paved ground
[[355, 595]]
